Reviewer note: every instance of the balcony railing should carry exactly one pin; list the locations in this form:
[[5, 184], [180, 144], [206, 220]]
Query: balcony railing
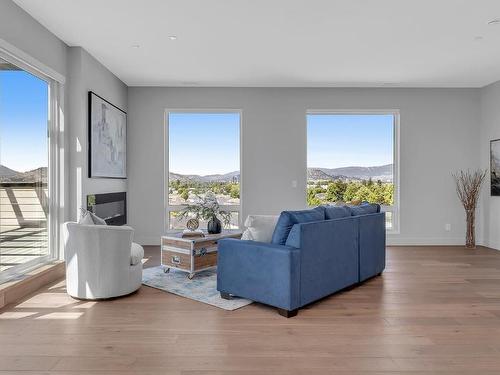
[[23, 223]]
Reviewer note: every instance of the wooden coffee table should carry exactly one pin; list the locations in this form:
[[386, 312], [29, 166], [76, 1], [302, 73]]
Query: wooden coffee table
[[192, 254]]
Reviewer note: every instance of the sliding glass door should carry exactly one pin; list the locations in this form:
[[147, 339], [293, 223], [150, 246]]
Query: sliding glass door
[[24, 162]]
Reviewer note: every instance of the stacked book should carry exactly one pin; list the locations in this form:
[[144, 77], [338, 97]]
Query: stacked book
[[187, 233]]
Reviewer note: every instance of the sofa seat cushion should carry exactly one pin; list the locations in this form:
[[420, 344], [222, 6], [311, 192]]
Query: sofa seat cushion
[[365, 209], [337, 212], [287, 220], [136, 254], [260, 228]]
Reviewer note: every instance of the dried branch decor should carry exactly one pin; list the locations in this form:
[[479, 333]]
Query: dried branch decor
[[468, 185]]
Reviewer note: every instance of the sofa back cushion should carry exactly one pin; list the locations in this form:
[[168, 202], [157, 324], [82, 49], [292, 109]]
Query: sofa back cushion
[[365, 209], [288, 218], [336, 212]]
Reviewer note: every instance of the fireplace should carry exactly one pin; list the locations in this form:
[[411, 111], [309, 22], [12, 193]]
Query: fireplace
[[112, 207]]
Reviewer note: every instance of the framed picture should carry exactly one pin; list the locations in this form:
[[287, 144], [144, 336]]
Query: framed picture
[[495, 167], [107, 139]]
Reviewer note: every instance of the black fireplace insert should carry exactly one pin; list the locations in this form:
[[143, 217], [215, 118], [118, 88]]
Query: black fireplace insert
[[112, 207]]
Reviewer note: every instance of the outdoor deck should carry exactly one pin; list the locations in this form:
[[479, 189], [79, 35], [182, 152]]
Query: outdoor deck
[[23, 223]]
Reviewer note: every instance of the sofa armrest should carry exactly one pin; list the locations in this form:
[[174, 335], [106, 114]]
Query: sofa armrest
[[371, 245], [329, 256], [262, 272]]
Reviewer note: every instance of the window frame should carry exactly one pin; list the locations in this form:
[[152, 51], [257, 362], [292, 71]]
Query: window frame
[[167, 208], [395, 113], [55, 146]]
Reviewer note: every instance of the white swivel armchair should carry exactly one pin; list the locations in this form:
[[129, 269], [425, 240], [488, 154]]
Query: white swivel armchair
[[101, 261]]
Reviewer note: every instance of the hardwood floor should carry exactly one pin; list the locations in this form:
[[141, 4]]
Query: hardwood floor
[[435, 310]]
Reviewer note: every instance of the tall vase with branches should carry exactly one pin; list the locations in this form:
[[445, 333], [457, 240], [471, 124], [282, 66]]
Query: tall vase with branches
[[468, 184]]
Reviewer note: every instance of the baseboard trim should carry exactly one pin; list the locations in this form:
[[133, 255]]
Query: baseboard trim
[[15, 290], [490, 244], [425, 241]]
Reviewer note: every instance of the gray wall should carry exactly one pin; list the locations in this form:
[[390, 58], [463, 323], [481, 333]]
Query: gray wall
[[490, 129], [86, 74], [439, 134], [20, 29]]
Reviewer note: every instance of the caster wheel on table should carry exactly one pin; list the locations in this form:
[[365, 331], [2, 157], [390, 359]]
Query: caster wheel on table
[[190, 276], [166, 270]]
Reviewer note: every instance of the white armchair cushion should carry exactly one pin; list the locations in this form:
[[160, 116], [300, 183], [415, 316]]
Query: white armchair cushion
[[259, 228], [136, 254]]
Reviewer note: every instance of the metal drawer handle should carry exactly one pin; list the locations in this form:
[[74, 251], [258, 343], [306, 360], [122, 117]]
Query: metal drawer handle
[[176, 259]]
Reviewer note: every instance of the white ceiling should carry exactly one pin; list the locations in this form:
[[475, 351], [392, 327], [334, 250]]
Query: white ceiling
[[308, 43]]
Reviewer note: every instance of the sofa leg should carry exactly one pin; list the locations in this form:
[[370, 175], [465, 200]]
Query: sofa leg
[[288, 313], [224, 295]]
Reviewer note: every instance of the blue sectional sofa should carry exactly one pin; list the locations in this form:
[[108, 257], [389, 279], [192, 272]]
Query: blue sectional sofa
[[313, 254]]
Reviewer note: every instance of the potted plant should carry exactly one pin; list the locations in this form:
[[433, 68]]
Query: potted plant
[[207, 208]]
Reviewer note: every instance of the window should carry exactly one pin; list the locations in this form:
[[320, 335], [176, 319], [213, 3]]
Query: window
[[203, 158], [25, 191], [353, 157]]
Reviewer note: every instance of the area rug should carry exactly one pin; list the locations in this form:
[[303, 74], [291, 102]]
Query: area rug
[[202, 288]]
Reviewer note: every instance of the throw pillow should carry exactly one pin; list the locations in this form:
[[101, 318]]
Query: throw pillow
[[89, 218], [336, 212], [365, 209], [97, 220], [85, 217], [288, 218], [259, 228]]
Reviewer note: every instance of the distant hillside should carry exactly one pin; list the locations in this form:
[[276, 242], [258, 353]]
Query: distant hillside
[[318, 174], [228, 177], [7, 172], [383, 173], [35, 175]]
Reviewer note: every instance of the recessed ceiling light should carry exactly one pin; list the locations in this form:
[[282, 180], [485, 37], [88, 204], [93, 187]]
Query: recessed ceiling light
[[496, 21], [172, 37]]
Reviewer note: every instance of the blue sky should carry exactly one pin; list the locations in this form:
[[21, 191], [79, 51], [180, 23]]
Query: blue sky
[[204, 143], [335, 141], [23, 121], [208, 143]]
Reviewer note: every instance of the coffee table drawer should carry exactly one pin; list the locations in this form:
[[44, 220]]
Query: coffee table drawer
[[176, 259]]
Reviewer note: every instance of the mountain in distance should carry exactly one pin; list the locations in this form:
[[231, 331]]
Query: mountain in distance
[[35, 175], [227, 177], [318, 174], [382, 173], [7, 172]]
